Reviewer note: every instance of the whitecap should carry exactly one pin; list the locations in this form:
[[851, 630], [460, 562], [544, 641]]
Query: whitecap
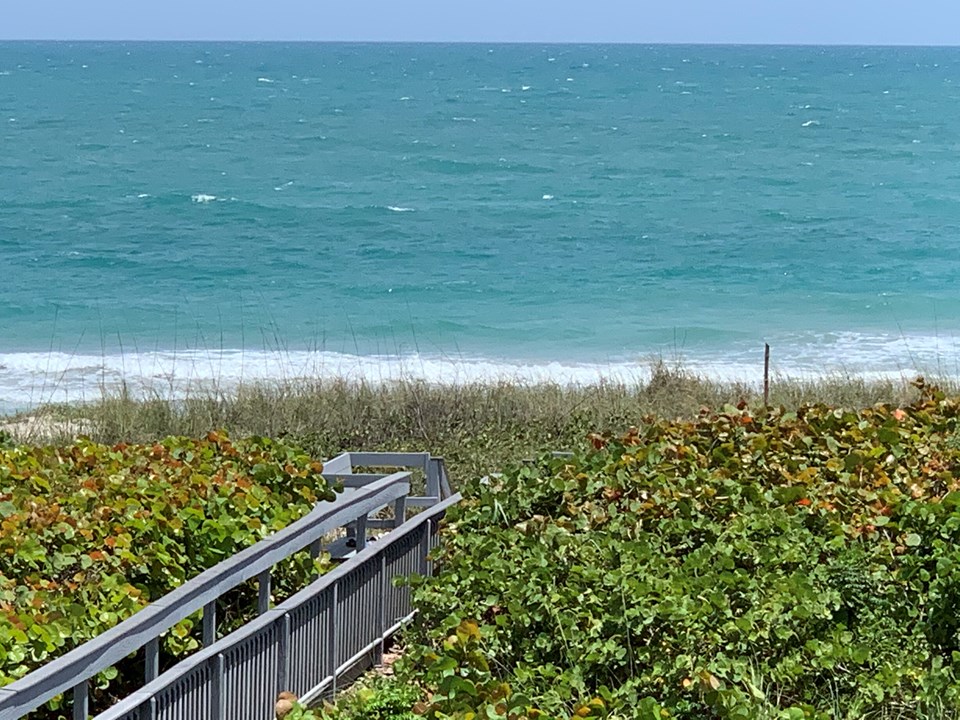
[[569, 79], [810, 123], [405, 98], [464, 119], [547, 197], [524, 87], [265, 80], [141, 196], [203, 198], [395, 208]]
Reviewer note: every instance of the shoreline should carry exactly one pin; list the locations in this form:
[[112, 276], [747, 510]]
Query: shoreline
[[33, 380]]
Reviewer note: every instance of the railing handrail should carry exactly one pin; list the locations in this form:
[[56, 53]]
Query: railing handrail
[[263, 622], [92, 657]]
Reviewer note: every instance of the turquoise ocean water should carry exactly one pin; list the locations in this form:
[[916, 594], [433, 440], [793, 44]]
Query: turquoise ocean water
[[193, 213]]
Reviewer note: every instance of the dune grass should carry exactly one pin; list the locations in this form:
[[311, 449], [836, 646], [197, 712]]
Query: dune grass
[[478, 428]]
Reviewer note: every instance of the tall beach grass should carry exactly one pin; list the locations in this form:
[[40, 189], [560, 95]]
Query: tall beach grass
[[477, 427]]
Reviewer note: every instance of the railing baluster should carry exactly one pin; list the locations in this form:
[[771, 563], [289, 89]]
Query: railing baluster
[[332, 648], [382, 605]]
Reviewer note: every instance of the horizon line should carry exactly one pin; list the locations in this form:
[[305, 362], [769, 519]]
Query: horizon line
[[627, 43]]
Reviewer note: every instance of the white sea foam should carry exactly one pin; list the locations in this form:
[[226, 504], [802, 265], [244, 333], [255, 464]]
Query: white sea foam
[[548, 197], [203, 198], [810, 123], [28, 379], [265, 80], [525, 87], [141, 196], [395, 208]]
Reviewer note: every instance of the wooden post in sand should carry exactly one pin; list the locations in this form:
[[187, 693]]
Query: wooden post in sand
[[766, 374]]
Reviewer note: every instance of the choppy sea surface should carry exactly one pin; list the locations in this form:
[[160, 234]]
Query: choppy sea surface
[[176, 214]]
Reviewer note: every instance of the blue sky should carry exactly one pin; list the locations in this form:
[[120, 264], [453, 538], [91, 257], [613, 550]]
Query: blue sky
[[919, 22]]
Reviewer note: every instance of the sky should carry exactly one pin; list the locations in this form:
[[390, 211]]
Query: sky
[[876, 22]]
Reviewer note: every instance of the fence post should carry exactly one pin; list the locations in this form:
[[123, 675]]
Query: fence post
[[80, 700], [766, 374]]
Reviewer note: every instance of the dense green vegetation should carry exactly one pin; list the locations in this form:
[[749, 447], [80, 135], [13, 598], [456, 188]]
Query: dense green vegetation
[[90, 533], [774, 564], [796, 562]]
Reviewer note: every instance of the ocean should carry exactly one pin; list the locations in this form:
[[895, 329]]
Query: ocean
[[175, 215]]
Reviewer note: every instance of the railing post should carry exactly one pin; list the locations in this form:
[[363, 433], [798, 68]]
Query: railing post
[[263, 592], [283, 654], [218, 700], [382, 605], [151, 660], [445, 490], [210, 623], [80, 700], [361, 532], [149, 710], [399, 512], [433, 478], [425, 548]]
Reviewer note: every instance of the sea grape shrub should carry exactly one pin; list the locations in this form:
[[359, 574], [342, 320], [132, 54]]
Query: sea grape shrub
[[90, 534], [742, 565]]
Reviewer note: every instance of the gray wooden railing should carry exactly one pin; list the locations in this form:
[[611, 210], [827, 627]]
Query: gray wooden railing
[[304, 644]]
